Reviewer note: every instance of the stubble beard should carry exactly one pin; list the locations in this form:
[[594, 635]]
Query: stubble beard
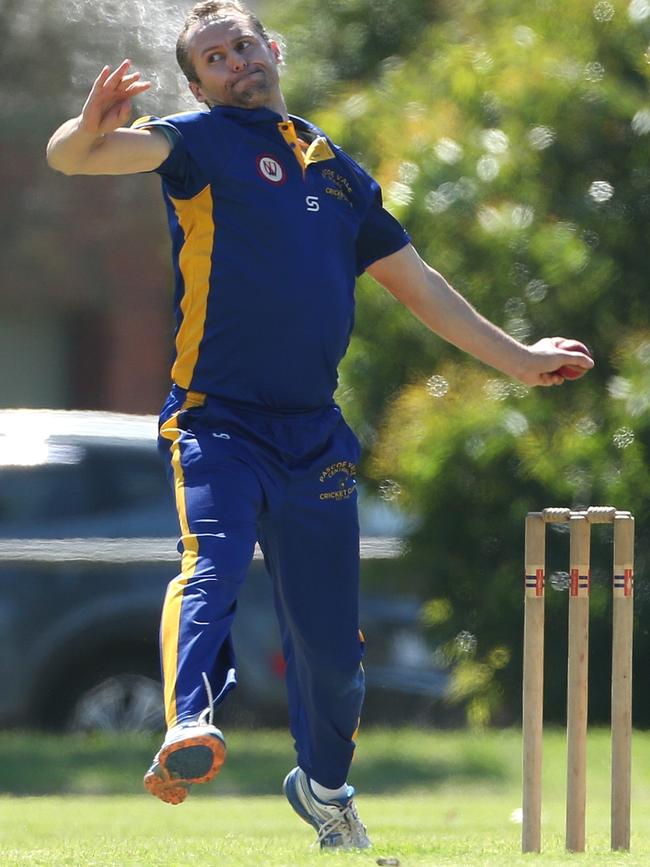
[[253, 94]]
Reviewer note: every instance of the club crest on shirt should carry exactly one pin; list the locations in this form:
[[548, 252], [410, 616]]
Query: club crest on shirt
[[270, 169]]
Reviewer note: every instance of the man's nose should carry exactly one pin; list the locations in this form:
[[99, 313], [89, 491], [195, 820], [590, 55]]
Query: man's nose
[[237, 62]]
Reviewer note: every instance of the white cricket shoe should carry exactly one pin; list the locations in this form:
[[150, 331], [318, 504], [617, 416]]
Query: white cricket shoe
[[336, 822]]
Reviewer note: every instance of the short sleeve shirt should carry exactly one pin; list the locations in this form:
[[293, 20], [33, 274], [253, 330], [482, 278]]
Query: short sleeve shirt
[[271, 223]]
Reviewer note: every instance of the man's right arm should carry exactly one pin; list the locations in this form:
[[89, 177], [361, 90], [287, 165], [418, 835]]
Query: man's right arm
[[96, 142]]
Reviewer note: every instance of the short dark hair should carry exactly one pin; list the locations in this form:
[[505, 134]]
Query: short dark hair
[[211, 10]]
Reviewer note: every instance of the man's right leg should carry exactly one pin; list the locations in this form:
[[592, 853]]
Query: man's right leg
[[218, 498]]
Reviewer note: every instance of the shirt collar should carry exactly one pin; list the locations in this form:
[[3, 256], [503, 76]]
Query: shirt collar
[[304, 126], [248, 116]]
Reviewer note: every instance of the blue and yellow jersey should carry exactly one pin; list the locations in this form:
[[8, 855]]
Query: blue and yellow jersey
[[270, 223]]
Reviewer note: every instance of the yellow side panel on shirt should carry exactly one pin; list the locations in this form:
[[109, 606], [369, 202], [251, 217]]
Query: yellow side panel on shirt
[[195, 263]]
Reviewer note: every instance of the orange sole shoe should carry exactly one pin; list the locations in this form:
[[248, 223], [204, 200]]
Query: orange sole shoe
[[182, 763]]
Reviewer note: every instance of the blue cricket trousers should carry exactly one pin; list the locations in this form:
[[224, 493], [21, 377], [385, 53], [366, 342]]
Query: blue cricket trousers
[[287, 481]]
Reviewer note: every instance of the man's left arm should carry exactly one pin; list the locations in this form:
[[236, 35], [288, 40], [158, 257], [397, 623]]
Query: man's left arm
[[442, 309]]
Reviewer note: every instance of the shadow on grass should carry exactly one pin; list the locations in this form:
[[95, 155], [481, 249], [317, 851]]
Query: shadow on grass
[[38, 764]]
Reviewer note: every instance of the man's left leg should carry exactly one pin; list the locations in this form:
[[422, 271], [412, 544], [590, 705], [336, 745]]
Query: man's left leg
[[311, 544]]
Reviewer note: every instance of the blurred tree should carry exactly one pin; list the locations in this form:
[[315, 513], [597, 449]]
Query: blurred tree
[[515, 150], [516, 153], [330, 44]]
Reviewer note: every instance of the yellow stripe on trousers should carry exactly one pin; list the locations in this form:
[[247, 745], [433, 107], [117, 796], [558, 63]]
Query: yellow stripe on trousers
[[171, 613], [355, 735]]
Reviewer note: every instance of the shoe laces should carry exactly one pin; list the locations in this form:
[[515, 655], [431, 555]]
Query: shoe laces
[[208, 713], [345, 822]]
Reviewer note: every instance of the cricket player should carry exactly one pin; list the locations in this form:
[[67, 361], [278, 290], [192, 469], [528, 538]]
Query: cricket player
[[270, 225]]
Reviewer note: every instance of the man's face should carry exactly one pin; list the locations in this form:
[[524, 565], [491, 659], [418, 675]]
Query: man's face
[[234, 64]]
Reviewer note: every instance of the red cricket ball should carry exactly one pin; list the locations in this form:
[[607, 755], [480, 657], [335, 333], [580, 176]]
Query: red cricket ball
[[569, 371]]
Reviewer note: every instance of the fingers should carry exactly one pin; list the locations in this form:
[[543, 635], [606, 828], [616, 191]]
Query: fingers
[[579, 359], [116, 76], [548, 379], [135, 89], [101, 78], [572, 364], [574, 350], [132, 86], [109, 103], [118, 82], [99, 83], [127, 79]]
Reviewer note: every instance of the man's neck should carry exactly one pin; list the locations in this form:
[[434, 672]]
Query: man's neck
[[278, 106]]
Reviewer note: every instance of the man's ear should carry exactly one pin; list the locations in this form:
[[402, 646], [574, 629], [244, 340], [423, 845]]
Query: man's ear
[[197, 92], [277, 52]]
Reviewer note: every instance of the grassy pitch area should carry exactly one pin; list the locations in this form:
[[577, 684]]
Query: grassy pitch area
[[428, 798]]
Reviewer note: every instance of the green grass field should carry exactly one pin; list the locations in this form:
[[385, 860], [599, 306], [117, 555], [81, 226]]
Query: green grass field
[[428, 798]]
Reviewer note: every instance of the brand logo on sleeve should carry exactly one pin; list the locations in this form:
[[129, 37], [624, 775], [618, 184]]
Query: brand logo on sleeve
[[270, 169]]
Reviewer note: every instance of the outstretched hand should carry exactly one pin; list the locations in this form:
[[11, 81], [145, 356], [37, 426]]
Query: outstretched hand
[[109, 102], [548, 356]]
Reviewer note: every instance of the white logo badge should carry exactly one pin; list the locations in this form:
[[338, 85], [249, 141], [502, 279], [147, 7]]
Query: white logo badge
[[270, 169]]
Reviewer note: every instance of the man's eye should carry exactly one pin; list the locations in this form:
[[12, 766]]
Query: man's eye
[[214, 57], [244, 43]]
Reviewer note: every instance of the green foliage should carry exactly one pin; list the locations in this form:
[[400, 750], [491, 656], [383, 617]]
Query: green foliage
[[511, 138], [472, 454], [537, 213], [343, 40]]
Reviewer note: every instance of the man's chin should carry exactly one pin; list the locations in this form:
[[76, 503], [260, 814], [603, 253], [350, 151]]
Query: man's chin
[[251, 97]]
